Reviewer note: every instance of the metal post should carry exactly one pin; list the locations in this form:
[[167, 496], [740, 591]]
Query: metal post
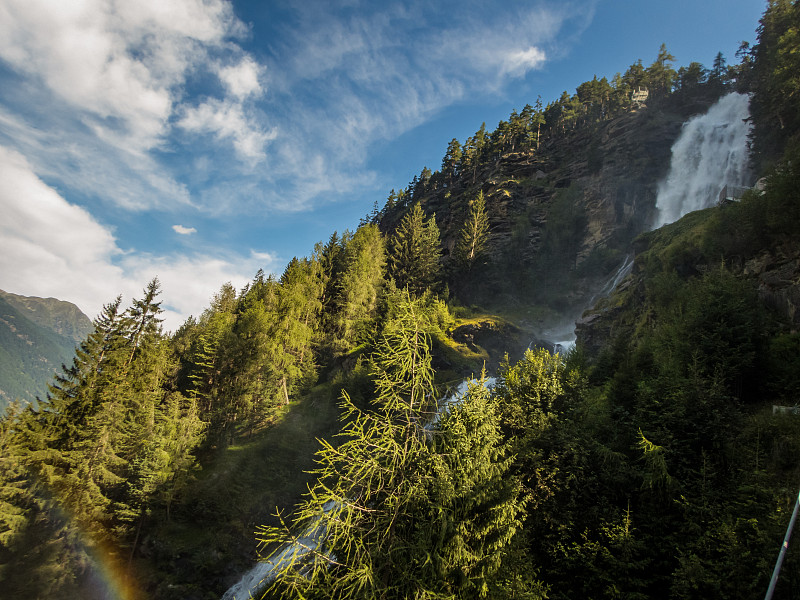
[[782, 553]]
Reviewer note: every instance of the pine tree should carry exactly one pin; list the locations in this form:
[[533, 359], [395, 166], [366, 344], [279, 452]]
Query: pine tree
[[660, 74], [473, 506], [451, 161], [415, 252], [299, 303], [474, 235], [74, 395], [358, 289]]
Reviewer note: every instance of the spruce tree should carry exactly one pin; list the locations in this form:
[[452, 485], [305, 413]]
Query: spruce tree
[[358, 289], [415, 252], [299, 303]]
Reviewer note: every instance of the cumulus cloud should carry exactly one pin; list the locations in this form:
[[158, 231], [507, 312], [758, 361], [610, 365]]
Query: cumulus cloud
[[103, 83], [49, 247], [189, 282], [184, 230], [122, 63], [242, 79], [107, 84]]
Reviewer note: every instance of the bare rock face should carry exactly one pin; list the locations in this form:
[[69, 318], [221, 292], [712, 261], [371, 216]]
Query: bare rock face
[[621, 176], [778, 275]]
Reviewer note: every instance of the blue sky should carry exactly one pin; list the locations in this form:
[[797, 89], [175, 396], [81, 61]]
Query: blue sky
[[201, 140]]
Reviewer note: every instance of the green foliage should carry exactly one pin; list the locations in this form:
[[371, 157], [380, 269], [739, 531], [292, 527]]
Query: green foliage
[[471, 502], [108, 446], [391, 514], [654, 474], [474, 236], [30, 354], [355, 290], [776, 79], [415, 252], [784, 368]]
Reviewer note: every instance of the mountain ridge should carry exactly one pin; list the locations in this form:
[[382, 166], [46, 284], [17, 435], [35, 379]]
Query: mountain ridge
[[37, 336]]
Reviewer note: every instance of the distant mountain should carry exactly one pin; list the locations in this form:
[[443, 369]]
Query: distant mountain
[[37, 335]]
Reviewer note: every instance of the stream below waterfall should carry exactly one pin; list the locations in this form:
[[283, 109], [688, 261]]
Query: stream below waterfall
[[264, 572]]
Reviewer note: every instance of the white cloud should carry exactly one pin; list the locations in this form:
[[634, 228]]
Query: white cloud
[[184, 230], [105, 112], [120, 62], [350, 81], [518, 63], [189, 282], [227, 120], [267, 259], [243, 79], [49, 247], [99, 84]]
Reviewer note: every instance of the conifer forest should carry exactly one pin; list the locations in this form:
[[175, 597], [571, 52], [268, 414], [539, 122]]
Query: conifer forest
[[390, 419]]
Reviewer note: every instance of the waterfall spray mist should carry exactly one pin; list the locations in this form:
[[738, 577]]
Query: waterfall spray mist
[[710, 153]]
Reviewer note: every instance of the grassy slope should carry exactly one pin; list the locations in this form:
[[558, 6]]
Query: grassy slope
[[209, 542]]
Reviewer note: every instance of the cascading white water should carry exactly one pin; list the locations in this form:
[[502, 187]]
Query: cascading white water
[[620, 274], [264, 572], [710, 152]]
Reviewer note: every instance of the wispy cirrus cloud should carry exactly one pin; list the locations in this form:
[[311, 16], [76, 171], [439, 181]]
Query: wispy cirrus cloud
[[106, 81], [374, 74], [121, 64], [128, 90], [227, 120]]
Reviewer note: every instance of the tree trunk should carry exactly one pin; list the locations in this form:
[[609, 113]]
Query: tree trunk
[[285, 392]]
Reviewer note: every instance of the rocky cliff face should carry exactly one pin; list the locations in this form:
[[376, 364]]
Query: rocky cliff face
[[777, 275], [774, 271], [571, 207]]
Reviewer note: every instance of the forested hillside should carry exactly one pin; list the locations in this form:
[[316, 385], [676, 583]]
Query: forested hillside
[[37, 336], [647, 462]]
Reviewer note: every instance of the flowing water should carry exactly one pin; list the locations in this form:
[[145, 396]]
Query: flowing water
[[264, 572], [710, 152]]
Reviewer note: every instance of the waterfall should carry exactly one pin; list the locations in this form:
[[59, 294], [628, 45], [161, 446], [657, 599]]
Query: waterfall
[[710, 152], [456, 397], [620, 274]]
